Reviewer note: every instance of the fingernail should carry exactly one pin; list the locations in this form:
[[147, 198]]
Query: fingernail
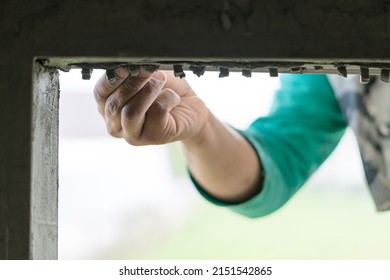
[[158, 75], [121, 72], [114, 73]]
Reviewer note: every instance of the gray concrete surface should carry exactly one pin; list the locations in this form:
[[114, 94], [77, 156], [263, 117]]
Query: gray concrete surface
[[44, 168], [225, 29]]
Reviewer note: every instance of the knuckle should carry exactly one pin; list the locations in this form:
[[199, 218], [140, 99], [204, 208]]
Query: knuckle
[[129, 113], [102, 90], [113, 131], [112, 106], [130, 85], [132, 140], [108, 88], [97, 92], [154, 84], [121, 72], [133, 85], [159, 107], [152, 138]]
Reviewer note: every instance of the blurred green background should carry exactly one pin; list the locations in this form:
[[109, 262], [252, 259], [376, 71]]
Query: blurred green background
[[317, 224]]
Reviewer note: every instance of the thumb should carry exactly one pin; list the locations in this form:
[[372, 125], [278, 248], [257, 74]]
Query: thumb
[[180, 86]]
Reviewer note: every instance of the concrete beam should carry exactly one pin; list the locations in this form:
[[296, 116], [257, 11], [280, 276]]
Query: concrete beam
[[225, 29]]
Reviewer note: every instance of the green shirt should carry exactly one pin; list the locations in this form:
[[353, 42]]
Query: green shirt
[[304, 126]]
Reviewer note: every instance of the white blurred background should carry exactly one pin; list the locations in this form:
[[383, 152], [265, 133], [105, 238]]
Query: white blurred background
[[124, 202]]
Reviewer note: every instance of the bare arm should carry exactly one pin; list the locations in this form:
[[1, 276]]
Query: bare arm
[[223, 162], [159, 108]]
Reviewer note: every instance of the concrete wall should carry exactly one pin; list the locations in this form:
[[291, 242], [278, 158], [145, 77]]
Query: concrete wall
[[142, 30]]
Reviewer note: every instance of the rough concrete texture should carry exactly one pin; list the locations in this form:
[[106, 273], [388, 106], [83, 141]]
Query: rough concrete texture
[[320, 31], [44, 169], [283, 29]]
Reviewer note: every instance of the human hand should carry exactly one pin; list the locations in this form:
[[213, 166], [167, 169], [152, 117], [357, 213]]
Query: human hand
[[150, 109]]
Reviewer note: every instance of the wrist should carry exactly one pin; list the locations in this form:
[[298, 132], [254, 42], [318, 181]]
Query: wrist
[[203, 135]]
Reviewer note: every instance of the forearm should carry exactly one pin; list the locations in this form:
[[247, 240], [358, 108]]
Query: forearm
[[223, 162]]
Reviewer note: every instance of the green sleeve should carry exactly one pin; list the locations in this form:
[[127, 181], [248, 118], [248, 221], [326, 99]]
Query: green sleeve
[[304, 126]]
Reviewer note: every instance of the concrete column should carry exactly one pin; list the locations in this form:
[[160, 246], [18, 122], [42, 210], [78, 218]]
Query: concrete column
[[44, 164], [28, 160]]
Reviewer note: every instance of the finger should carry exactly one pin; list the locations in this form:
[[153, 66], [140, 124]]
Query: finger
[[159, 125], [104, 87], [117, 100], [133, 112], [180, 86]]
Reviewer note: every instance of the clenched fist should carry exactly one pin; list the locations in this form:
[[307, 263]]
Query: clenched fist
[[149, 109]]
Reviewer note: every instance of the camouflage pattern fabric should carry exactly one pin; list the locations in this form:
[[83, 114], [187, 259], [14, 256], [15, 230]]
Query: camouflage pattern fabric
[[367, 109]]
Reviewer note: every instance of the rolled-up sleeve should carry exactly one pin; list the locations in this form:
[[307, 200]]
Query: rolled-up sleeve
[[304, 126]]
